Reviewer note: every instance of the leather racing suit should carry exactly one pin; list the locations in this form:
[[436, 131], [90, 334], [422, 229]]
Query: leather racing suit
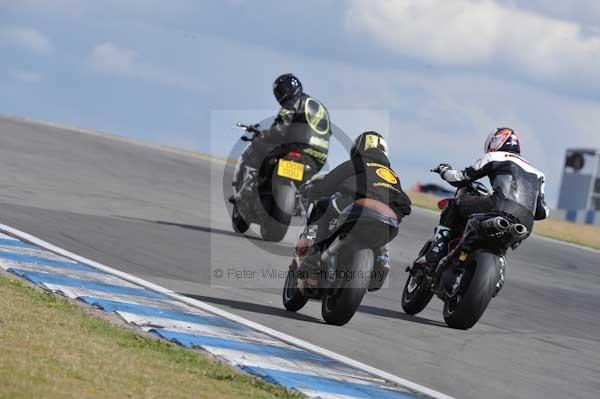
[[366, 176], [302, 125], [518, 191]]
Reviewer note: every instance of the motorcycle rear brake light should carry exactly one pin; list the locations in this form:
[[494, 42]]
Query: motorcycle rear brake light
[[442, 204], [294, 154]]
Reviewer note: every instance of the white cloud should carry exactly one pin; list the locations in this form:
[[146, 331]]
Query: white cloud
[[27, 76], [29, 38], [110, 59], [446, 117], [475, 34], [586, 12]]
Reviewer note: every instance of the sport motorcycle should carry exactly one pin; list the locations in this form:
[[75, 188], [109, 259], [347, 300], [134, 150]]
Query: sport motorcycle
[[267, 196], [473, 272], [345, 270]]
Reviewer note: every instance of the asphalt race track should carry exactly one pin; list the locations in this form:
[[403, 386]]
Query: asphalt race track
[[160, 215]]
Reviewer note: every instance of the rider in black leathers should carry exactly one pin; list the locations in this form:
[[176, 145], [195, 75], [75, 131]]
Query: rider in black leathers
[[366, 175], [302, 125], [518, 192]]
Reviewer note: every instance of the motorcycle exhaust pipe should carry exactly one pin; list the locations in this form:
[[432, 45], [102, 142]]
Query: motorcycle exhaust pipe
[[518, 230], [495, 225], [335, 246]]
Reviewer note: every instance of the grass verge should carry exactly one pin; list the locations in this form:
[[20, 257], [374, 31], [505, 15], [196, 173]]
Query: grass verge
[[52, 348], [588, 236]]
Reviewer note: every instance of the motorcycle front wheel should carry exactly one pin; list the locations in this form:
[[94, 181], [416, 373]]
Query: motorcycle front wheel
[[293, 300], [417, 293]]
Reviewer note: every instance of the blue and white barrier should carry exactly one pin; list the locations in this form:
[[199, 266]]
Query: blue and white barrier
[[577, 216], [258, 350]]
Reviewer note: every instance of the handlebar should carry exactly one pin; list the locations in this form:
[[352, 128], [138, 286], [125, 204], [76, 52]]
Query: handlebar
[[473, 186], [253, 129]]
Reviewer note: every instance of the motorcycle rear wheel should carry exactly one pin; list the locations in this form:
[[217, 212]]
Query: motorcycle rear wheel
[[339, 307], [280, 209], [466, 308]]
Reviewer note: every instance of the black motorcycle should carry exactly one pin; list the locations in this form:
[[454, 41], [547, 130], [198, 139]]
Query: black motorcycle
[[268, 196], [473, 272], [345, 268]]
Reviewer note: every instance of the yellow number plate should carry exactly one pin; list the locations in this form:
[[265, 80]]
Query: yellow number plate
[[290, 169]]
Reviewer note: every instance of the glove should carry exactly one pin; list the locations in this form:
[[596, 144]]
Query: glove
[[441, 169]]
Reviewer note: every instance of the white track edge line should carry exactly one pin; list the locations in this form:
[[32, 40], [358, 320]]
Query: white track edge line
[[227, 315]]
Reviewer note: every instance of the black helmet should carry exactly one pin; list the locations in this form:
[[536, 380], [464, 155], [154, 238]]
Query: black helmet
[[286, 87], [368, 142], [503, 139]]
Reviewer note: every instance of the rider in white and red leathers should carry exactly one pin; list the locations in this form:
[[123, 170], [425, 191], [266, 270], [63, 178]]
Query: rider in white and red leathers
[[518, 192]]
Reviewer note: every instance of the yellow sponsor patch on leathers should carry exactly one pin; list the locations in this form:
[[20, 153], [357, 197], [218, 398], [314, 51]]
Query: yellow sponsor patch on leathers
[[387, 175]]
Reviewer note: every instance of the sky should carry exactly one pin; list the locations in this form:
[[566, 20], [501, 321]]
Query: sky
[[434, 76]]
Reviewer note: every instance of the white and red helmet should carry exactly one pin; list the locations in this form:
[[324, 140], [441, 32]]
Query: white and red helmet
[[503, 139]]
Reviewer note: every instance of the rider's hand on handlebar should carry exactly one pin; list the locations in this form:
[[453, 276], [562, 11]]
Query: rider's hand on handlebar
[[441, 169], [253, 129], [250, 128]]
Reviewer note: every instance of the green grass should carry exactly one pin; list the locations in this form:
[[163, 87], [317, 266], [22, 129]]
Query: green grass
[[426, 201], [588, 236], [51, 348]]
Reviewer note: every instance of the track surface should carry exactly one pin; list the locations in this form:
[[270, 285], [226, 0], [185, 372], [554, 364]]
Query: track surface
[[161, 216]]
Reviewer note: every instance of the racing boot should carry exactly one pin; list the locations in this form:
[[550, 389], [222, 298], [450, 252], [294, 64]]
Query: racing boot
[[381, 268], [438, 249]]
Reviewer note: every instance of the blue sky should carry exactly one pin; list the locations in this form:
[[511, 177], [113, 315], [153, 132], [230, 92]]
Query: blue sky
[[434, 76]]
